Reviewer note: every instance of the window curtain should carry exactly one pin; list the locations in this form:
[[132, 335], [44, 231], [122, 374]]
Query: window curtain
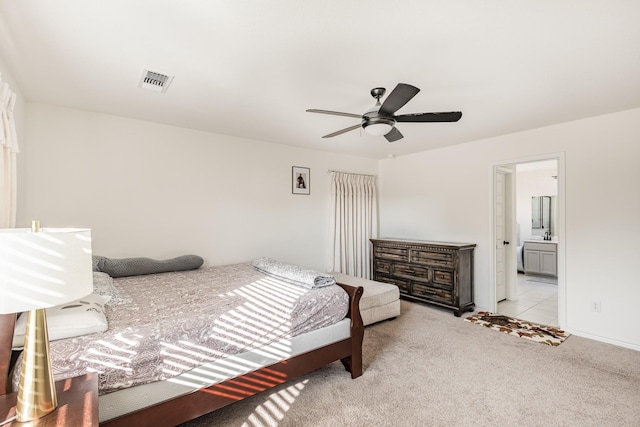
[[8, 157], [354, 221]]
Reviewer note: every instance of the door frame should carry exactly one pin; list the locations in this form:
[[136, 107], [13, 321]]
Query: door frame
[[562, 288]]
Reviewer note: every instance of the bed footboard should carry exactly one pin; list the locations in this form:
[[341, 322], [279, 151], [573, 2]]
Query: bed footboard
[[196, 404], [353, 363]]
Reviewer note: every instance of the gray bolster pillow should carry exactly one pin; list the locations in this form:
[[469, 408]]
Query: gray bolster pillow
[[140, 266]]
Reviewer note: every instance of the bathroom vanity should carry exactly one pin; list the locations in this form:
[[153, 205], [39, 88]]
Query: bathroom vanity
[[541, 257]]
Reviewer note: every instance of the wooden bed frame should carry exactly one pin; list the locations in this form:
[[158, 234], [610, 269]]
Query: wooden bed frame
[[206, 400]]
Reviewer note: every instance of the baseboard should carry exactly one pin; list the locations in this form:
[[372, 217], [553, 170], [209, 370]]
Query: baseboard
[[605, 340], [618, 343]]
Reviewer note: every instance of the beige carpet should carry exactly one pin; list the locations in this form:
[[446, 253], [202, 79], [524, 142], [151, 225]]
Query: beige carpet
[[428, 367]]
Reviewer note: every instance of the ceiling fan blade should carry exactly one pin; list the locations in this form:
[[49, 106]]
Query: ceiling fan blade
[[393, 135], [451, 116], [340, 132], [335, 113], [397, 98]]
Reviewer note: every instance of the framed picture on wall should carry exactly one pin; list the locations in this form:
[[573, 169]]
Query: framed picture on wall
[[301, 180]]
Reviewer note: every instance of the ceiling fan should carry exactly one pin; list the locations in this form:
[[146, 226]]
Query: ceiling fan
[[380, 119]]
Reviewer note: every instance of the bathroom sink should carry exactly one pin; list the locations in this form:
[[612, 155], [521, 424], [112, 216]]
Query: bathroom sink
[[538, 239]]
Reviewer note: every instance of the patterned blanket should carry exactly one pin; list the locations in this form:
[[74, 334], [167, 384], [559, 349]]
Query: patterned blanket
[[169, 323], [294, 274]]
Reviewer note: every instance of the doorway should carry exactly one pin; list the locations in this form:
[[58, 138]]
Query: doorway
[[536, 296]]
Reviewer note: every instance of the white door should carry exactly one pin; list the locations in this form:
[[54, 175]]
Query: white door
[[500, 235]]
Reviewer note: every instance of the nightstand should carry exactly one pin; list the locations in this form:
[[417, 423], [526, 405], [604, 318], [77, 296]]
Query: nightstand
[[77, 405]]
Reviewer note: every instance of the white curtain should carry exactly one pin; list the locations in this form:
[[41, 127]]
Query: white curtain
[[354, 221], [8, 157]]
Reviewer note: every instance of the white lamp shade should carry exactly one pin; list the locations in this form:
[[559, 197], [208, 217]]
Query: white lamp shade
[[43, 269]]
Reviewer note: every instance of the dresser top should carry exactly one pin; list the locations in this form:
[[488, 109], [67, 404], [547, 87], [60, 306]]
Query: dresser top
[[424, 242]]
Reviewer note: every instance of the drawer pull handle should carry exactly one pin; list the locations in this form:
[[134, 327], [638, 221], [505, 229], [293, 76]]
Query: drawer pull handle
[[430, 292], [410, 271]]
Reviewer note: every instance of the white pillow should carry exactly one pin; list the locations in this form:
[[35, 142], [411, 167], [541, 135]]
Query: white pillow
[[103, 286], [81, 317]]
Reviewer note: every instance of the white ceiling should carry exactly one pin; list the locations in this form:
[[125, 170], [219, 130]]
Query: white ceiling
[[251, 68]]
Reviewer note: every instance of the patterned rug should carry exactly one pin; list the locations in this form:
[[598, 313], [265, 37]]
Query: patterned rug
[[539, 333]]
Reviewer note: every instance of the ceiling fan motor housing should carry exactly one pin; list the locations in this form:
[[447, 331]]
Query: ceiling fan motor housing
[[375, 124], [373, 118]]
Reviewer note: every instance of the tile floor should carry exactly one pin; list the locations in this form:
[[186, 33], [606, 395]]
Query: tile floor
[[537, 302]]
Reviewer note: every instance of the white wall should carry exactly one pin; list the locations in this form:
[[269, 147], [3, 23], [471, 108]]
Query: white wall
[[159, 191], [446, 194]]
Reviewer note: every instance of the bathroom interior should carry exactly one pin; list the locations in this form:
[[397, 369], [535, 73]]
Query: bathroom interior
[[537, 261]]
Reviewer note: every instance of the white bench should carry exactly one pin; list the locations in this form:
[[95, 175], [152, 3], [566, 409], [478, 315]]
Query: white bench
[[380, 301]]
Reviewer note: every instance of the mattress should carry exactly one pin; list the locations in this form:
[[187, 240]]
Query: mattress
[[127, 400], [163, 325]]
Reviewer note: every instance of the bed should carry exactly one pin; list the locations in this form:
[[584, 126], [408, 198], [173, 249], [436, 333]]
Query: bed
[[213, 355]]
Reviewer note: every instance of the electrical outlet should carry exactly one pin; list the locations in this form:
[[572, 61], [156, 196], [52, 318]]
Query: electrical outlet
[[595, 306]]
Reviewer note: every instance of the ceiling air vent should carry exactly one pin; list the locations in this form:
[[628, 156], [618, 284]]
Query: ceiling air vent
[[155, 81]]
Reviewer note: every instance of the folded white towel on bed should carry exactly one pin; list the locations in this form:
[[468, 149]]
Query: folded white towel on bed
[[294, 274]]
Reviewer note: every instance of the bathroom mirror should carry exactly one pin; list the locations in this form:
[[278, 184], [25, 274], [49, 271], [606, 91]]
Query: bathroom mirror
[[542, 215]]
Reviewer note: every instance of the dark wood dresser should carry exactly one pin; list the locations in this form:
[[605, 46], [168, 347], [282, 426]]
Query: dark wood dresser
[[438, 273]]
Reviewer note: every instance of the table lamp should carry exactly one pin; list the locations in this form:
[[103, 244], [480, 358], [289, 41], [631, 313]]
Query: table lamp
[[41, 268]]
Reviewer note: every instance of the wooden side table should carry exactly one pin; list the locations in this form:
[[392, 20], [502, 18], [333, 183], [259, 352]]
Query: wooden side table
[[77, 405]]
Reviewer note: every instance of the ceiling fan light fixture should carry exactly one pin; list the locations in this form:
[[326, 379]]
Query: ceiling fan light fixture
[[377, 129], [378, 126]]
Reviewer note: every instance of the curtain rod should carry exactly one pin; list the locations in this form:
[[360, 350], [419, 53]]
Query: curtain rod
[[350, 173]]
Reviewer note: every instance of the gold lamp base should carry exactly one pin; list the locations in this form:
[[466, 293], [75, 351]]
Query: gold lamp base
[[37, 391]]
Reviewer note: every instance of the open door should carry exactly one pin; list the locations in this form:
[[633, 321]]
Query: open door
[[503, 233]]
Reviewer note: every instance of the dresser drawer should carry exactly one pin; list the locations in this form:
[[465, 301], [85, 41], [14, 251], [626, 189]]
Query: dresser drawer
[[383, 266], [403, 285], [443, 277], [440, 259], [394, 254], [412, 272], [436, 294]]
